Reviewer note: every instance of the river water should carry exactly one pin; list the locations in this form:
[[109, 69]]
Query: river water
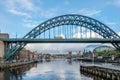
[[47, 70]]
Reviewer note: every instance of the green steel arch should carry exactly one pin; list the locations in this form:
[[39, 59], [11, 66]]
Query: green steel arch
[[69, 19], [73, 19]]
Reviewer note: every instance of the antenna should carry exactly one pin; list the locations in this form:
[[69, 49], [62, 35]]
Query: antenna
[[16, 34]]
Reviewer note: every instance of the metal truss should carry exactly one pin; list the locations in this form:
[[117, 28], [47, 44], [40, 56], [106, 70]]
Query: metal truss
[[69, 19]]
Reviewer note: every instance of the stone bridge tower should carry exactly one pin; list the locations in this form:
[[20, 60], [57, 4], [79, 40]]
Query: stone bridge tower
[[2, 45]]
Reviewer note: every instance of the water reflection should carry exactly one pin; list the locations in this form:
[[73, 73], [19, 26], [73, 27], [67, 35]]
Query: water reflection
[[56, 70], [46, 70], [15, 73], [69, 61]]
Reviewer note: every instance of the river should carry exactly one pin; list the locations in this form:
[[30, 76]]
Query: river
[[47, 70]]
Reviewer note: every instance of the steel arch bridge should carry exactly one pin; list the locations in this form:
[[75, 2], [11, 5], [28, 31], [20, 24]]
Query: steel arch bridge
[[63, 20]]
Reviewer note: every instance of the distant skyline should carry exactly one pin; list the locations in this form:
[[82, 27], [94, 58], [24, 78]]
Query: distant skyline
[[20, 16]]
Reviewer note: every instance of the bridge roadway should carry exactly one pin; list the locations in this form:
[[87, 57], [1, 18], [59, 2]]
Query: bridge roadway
[[87, 40]]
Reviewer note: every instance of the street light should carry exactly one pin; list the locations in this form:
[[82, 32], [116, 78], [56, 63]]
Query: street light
[[93, 58]]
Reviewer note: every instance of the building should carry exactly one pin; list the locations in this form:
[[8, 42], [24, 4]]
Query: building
[[2, 45], [26, 55], [102, 48], [90, 50], [69, 55]]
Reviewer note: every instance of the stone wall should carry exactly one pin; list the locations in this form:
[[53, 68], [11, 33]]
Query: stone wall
[[4, 35], [2, 52]]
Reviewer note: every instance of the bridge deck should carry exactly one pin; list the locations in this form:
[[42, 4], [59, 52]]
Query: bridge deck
[[89, 40]]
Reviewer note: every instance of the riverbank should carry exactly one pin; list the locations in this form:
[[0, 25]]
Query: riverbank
[[4, 66], [106, 73], [97, 60]]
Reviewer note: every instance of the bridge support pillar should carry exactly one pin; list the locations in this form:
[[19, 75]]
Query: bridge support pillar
[[2, 45]]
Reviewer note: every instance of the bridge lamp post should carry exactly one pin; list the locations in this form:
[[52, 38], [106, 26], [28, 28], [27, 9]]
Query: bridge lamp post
[[93, 58]]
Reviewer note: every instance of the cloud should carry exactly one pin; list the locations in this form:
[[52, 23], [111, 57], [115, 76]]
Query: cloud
[[20, 4], [110, 23], [86, 35], [55, 47], [87, 12], [20, 7], [30, 23], [60, 36], [27, 4], [29, 11], [116, 3], [48, 13], [66, 2], [13, 11]]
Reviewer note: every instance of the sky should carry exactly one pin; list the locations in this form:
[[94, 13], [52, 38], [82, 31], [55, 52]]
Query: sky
[[21, 16]]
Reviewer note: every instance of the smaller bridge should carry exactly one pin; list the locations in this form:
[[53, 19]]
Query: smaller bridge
[[88, 40]]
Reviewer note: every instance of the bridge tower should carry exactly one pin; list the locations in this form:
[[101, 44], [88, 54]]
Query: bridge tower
[[2, 45]]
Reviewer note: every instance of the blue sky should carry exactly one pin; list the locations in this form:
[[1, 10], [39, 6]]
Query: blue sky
[[20, 16]]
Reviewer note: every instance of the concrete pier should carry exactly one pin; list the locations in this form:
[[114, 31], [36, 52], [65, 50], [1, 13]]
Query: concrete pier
[[106, 73]]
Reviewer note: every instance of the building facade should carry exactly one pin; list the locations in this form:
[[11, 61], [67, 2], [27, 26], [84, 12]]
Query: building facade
[[2, 45], [26, 55]]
